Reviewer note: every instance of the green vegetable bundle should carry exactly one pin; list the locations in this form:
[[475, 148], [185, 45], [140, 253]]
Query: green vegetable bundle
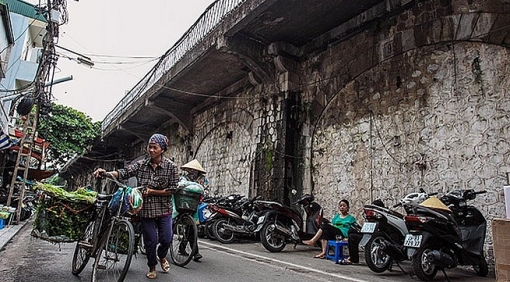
[[63, 216], [80, 195]]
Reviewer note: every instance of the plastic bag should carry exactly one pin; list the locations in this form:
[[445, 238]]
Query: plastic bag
[[190, 186], [136, 200], [132, 202]]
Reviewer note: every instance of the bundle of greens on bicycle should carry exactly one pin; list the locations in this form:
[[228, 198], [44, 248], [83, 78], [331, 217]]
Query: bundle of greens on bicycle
[[62, 215]]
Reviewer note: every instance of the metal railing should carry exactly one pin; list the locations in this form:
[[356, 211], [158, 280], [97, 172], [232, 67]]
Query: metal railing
[[212, 16]]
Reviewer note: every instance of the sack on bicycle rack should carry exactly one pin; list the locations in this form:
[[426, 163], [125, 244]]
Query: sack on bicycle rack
[[132, 202], [62, 217]]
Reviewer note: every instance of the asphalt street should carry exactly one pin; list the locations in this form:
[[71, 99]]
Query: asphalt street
[[26, 258]]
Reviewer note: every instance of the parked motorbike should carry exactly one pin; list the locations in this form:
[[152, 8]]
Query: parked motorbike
[[384, 232], [443, 237], [280, 224], [28, 207], [204, 213], [236, 221], [28, 204], [231, 201]]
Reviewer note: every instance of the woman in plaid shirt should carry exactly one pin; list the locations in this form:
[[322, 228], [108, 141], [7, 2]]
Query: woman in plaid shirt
[[159, 177]]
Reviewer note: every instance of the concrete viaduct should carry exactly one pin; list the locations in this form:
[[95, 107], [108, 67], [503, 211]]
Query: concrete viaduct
[[343, 99]]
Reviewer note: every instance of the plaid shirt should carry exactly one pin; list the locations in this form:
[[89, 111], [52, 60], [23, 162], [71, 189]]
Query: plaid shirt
[[165, 176]]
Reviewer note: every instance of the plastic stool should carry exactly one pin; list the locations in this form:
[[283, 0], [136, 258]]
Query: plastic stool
[[340, 248]]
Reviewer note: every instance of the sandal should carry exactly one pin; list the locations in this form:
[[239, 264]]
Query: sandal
[[152, 274], [320, 256], [165, 266], [345, 262]]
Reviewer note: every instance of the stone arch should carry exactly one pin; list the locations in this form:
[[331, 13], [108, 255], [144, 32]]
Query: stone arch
[[226, 149], [424, 133]]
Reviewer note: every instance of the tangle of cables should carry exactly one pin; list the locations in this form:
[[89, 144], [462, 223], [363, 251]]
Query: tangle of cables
[[55, 13]]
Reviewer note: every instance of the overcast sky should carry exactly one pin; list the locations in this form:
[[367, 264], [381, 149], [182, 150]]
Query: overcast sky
[[123, 38]]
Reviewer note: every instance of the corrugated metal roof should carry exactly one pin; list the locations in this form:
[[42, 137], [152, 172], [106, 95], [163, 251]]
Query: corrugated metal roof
[[24, 8]]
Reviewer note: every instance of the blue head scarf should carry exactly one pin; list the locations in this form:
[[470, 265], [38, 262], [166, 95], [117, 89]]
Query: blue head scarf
[[159, 139]]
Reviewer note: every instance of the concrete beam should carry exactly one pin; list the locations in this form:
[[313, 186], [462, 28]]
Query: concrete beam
[[250, 52], [185, 123]]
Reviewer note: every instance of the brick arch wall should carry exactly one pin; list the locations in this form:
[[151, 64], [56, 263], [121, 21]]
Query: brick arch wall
[[223, 143], [418, 100], [434, 117]]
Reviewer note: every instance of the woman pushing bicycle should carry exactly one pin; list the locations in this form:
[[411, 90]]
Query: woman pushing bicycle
[[196, 173], [159, 177]]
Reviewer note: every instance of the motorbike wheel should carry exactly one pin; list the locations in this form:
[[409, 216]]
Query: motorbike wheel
[[481, 269], [209, 231], [270, 238], [223, 235], [424, 269], [377, 260], [201, 231]]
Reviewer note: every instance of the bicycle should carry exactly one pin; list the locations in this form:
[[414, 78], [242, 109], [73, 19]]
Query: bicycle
[[109, 238], [185, 232]]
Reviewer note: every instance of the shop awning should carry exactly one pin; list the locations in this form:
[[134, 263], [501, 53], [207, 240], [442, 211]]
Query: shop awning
[[37, 174], [5, 141]]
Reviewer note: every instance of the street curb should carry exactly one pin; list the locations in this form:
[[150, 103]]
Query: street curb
[[9, 231]]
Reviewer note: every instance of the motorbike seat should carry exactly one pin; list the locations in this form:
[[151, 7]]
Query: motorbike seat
[[385, 210]]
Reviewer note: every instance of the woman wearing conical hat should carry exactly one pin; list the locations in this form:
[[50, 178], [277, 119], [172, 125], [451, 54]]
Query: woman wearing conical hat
[[196, 173]]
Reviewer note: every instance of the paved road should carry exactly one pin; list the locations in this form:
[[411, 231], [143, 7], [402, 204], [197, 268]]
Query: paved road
[[30, 259]]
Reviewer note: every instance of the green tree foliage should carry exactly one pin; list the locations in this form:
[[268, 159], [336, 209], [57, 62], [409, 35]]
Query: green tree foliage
[[70, 133]]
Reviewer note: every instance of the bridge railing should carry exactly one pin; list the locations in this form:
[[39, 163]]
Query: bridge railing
[[212, 16]]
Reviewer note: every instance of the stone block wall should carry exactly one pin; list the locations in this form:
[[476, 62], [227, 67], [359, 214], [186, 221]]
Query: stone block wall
[[228, 138], [419, 100]]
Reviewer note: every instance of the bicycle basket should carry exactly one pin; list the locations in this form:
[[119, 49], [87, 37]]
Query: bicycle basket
[[186, 202]]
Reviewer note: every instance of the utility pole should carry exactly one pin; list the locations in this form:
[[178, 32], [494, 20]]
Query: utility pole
[[54, 12]]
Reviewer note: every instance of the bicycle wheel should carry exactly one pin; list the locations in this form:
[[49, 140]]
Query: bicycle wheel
[[83, 250], [115, 252], [140, 245], [184, 242]]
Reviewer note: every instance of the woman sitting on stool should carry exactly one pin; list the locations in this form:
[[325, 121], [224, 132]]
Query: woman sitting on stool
[[339, 226]]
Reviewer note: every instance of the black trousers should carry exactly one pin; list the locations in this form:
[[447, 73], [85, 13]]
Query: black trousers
[[329, 232], [354, 239]]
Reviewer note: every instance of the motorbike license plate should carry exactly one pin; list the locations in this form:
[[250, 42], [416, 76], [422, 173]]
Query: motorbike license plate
[[368, 227], [413, 241]]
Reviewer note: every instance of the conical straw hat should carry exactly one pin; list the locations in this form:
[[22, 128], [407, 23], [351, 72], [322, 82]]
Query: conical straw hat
[[435, 203], [194, 164]]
